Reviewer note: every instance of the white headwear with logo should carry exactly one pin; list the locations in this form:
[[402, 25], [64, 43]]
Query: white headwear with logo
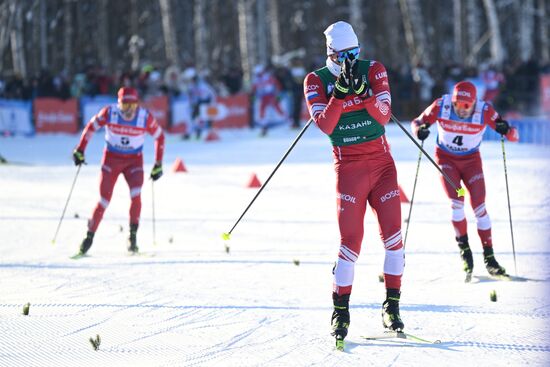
[[340, 35]]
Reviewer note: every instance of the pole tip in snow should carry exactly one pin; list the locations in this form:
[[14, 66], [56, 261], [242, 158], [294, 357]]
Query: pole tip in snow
[[460, 192], [226, 236]]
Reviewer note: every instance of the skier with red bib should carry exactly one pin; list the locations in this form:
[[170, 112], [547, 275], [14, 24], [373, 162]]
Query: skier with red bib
[[126, 124], [349, 100], [461, 120]]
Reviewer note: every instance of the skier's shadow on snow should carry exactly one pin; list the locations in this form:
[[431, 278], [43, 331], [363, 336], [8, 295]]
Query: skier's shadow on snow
[[453, 346], [486, 278], [400, 343]]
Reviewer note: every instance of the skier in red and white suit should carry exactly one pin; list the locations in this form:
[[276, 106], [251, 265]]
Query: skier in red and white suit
[[125, 127], [266, 89], [461, 121], [349, 100]]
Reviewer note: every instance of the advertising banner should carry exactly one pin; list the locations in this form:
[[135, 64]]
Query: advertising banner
[[53, 115], [15, 117], [232, 111], [158, 106]]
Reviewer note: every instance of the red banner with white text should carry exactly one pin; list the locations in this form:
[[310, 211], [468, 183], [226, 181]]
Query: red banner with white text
[[232, 111], [53, 115], [158, 106]]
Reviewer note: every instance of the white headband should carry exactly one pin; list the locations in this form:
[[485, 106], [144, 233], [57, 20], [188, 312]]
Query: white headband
[[340, 36]]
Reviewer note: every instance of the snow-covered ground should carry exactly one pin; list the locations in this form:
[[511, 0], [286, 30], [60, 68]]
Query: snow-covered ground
[[188, 302]]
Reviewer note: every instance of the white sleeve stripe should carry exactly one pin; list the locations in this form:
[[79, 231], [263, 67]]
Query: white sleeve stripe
[[157, 133], [95, 123], [383, 97]]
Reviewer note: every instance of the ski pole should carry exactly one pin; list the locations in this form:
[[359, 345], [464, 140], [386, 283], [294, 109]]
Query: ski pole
[[66, 203], [227, 235], [508, 197], [412, 197], [459, 190], [153, 202]]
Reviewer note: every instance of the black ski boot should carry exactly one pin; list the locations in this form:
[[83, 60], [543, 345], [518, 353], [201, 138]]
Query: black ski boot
[[132, 240], [390, 311], [491, 263], [86, 244], [340, 315], [465, 254]]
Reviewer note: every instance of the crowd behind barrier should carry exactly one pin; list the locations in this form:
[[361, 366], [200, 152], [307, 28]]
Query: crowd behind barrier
[[59, 103]]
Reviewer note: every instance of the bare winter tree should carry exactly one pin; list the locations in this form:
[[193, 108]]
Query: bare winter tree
[[247, 41], [215, 34], [199, 29], [542, 13], [102, 45], [356, 18], [497, 48], [43, 35], [526, 11], [261, 10], [457, 29], [5, 29], [274, 25], [415, 32], [169, 32], [16, 39], [68, 35], [473, 29]]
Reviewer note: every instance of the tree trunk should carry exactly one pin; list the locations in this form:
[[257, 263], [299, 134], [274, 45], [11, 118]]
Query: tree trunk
[[134, 17], [274, 25], [261, 11], [169, 32], [246, 42], [16, 39], [497, 48], [200, 26], [473, 28], [457, 30], [543, 32], [5, 30], [43, 34], [68, 36], [415, 34], [102, 36], [356, 18], [526, 29]]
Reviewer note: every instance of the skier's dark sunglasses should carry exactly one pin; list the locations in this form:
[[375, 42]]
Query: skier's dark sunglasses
[[459, 105], [351, 54]]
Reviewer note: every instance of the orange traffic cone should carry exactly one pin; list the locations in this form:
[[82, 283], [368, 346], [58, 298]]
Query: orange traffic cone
[[178, 166], [212, 136], [254, 182], [402, 197]]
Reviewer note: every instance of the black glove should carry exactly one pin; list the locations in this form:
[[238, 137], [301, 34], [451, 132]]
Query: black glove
[[423, 132], [78, 157], [502, 127], [358, 81], [156, 172], [341, 87]]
